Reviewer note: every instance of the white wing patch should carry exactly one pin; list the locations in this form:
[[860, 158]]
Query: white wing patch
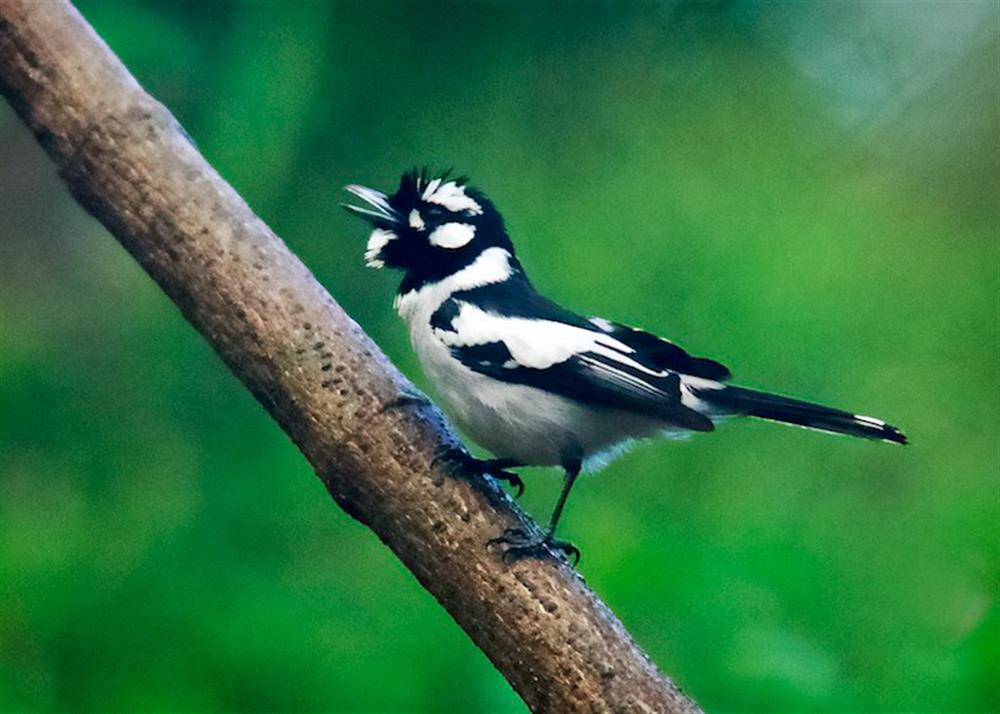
[[452, 235], [416, 220], [537, 344], [451, 196]]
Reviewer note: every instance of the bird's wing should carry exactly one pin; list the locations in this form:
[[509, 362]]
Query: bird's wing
[[517, 298], [662, 353], [574, 359]]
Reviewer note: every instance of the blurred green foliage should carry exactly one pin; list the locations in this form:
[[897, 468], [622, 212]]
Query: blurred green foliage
[[808, 192]]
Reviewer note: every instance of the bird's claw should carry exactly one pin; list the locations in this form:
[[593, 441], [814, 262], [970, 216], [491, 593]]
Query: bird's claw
[[521, 544], [480, 467], [510, 477]]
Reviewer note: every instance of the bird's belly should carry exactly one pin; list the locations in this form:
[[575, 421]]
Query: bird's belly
[[524, 423]]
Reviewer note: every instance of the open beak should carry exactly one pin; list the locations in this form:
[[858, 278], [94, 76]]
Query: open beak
[[378, 208]]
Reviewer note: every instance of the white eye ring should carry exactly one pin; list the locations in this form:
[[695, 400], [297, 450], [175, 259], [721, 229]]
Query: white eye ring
[[452, 235]]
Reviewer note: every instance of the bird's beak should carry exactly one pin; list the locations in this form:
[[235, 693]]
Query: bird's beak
[[379, 210]]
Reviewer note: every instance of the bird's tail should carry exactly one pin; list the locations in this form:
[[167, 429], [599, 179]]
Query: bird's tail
[[739, 400]]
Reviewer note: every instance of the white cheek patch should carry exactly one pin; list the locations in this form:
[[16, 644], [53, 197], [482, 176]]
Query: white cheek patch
[[378, 240], [416, 220], [452, 235], [451, 196]]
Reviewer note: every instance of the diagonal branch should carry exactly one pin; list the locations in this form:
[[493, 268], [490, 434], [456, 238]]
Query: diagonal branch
[[128, 162]]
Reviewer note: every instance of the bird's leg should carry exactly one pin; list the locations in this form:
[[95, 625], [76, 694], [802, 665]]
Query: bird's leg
[[497, 468], [521, 544]]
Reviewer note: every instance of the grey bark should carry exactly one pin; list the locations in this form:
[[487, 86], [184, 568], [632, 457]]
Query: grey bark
[[130, 164]]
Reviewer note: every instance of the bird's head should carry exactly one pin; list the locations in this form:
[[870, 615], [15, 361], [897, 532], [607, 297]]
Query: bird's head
[[430, 227]]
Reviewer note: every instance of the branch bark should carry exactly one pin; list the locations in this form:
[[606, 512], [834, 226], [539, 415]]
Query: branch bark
[[128, 162]]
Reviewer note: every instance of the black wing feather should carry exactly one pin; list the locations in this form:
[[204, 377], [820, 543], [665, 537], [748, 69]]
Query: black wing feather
[[592, 379], [663, 354]]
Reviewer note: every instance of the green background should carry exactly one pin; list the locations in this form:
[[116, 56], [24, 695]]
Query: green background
[[807, 192]]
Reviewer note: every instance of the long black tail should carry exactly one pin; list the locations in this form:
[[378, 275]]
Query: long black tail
[[738, 400]]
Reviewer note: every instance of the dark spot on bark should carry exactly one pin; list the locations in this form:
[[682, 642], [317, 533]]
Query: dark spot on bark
[[306, 326], [30, 57], [326, 384], [326, 367], [318, 346]]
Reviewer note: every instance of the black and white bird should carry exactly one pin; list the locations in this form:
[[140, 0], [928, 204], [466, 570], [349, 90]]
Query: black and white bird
[[531, 382]]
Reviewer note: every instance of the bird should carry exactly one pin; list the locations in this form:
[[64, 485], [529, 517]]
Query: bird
[[529, 381]]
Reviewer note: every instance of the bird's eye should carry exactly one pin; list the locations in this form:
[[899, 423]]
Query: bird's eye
[[433, 213]]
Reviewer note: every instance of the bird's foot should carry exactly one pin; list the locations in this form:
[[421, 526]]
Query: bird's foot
[[482, 467], [519, 544]]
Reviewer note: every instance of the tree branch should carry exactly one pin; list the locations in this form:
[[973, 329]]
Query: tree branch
[[129, 163]]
